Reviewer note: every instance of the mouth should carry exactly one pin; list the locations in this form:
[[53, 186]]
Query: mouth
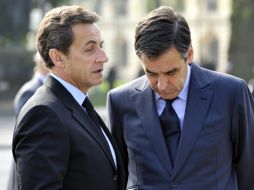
[[98, 71], [169, 94]]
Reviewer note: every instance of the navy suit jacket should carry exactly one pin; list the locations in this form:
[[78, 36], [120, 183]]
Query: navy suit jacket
[[57, 146], [216, 149]]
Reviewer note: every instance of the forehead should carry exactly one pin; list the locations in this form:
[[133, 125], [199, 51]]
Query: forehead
[[84, 33], [167, 60]]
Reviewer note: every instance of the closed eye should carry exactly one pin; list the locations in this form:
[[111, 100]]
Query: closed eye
[[172, 72], [89, 49], [150, 73]]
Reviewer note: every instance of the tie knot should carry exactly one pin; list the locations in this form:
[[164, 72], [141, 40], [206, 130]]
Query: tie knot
[[169, 102], [87, 104]]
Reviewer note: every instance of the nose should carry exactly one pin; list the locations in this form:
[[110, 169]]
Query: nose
[[162, 83], [102, 57]]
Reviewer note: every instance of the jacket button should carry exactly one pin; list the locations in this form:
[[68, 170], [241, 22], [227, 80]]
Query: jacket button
[[115, 177], [174, 184]]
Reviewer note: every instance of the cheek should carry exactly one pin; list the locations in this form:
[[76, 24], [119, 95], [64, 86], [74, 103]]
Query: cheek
[[86, 68], [180, 83], [152, 82], [172, 82]]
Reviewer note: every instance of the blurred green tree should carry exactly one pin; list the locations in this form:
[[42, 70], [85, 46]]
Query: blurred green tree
[[241, 51], [14, 19]]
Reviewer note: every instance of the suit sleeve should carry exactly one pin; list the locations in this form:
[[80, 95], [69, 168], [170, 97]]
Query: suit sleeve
[[19, 103], [243, 137], [115, 124], [40, 149]]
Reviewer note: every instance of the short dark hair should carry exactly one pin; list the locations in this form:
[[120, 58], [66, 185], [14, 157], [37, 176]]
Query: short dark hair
[[161, 30], [55, 30]]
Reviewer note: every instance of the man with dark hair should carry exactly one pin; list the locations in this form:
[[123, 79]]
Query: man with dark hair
[[60, 142], [181, 126]]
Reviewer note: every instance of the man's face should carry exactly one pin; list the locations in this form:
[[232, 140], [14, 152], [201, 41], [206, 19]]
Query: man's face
[[85, 60], [167, 73]]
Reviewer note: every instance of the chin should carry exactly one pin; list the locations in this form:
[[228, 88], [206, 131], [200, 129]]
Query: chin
[[168, 96], [97, 82]]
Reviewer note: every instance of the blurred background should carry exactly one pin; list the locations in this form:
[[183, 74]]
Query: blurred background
[[222, 37]]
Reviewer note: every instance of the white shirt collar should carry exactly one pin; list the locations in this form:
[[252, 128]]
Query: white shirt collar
[[77, 94]]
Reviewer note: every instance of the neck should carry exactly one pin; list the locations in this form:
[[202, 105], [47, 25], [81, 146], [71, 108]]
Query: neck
[[65, 77]]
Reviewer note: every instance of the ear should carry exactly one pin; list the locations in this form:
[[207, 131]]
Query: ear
[[56, 57], [190, 55]]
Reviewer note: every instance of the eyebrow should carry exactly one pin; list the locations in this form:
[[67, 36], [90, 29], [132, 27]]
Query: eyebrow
[[169, 71], [173, 70], [148, 71], [93, 42]]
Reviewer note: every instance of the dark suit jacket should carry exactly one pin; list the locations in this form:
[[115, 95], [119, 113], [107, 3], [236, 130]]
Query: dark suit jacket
[[25, 92], [57, 146], [216, 149]]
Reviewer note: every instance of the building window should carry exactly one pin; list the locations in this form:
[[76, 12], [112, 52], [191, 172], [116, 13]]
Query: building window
[[153, 4], [121, 52], [124, 53], [209, 53], [97, 6], [212, 5], [214, 55], [121, 7]]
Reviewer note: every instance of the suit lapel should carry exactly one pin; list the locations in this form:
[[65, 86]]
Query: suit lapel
[[146, 110], [198, 102], [117, 153], [80, 115]]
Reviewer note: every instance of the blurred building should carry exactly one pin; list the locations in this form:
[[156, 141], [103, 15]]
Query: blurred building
[[210, 25], [118, 21], [209, 21]]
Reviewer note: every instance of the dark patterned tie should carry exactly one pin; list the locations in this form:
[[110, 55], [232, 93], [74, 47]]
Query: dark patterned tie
[[171, 128], [91, 112]]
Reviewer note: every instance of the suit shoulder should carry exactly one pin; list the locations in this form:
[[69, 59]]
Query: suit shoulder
[[131, 86], [42, 97], [227, 79], [217, 78]]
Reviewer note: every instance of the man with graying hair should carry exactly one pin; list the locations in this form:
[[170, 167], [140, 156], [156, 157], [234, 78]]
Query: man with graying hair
[[60, 142], [180, 126]]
